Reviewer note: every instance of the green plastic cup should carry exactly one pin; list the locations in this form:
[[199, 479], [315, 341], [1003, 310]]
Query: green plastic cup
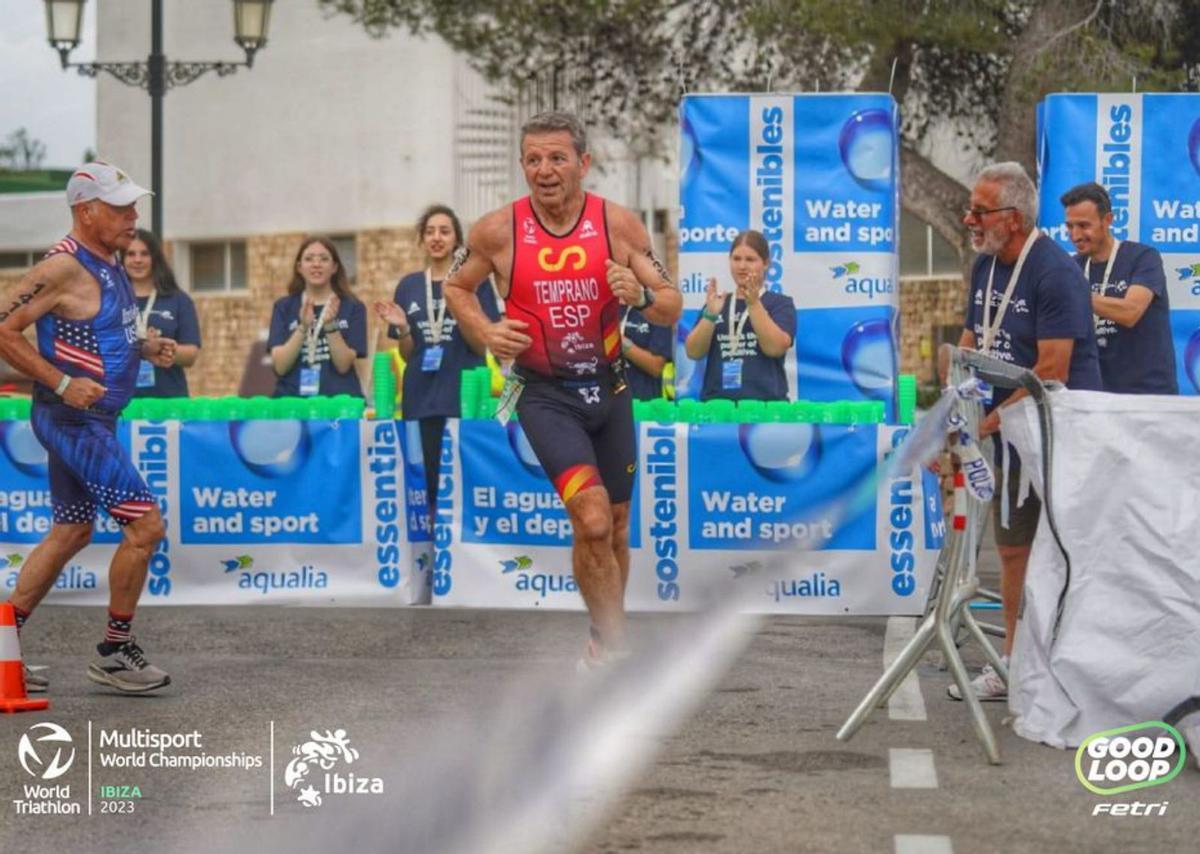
[[751, 411], [8, 409], [687, 410]]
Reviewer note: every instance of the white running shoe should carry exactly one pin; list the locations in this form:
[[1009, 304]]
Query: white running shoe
[[988, 686]]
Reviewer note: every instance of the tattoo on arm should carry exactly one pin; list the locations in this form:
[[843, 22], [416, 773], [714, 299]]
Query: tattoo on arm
[[461, 254], [659, 267], [23, 298]]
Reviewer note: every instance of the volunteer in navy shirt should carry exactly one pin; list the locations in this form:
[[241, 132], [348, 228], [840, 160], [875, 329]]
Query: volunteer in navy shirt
[[1129, 298], [747, 337], [163, 310], [427, 335], [1028, 306], [319, 330], [646, 347]]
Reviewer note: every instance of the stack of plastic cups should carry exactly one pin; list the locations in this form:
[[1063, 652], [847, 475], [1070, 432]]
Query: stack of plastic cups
[[133, 410], [259, 406], [751, 411], [468, 394], [906, 398], [8, 409], [23, 408], [383, 386], [687, 410], [661, 410]]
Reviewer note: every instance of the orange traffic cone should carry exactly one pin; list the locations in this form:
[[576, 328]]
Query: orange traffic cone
[[12, 673]]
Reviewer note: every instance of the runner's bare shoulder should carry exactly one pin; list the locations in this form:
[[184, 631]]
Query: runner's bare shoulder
[[491, 235]]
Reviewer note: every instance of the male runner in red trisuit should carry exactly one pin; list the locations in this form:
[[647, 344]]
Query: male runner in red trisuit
[[564, 261]]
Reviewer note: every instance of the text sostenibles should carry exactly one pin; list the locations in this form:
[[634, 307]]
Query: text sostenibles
[[141, 748]]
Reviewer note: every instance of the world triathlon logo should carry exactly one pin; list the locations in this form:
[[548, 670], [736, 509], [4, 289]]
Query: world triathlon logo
[[46, 751]]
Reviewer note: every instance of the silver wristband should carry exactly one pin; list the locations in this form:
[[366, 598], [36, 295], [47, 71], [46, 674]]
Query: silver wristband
[[61, 388]]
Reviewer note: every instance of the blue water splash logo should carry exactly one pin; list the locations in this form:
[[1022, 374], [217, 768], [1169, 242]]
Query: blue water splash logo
[[783, 453], [271, 448], [23, 449], [1194, 146], [848, 268], [11, 561], [239, 562], [522, 450], [865, 144], [521, 563], [869, 358], [1190, 272]]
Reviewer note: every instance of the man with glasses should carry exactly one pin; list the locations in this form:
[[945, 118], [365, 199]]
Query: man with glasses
[[1129, 297], [1028, 305]]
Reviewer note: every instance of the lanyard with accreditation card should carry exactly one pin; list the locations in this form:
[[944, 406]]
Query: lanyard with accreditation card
[[991, 327], [1108, 267], [145, 375], [431, 360], [310, 370]]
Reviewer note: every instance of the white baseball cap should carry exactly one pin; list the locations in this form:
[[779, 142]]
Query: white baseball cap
[[103, 181]]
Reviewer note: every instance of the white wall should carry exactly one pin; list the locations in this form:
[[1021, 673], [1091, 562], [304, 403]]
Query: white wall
[[330, 131], [33, 221]]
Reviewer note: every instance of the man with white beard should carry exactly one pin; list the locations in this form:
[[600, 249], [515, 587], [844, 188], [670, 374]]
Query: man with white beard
[[1029, 305]]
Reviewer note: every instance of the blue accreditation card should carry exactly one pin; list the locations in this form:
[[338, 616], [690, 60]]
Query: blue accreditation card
[[431, 360], [145, 377], [731, 375], [310, 381]]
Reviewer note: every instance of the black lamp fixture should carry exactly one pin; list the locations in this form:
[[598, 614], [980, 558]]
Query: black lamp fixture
[[64, 21]]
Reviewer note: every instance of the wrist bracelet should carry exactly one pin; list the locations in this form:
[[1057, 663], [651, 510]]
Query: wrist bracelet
[[61, 388], [712, 318], [401, 334], [331, 327]]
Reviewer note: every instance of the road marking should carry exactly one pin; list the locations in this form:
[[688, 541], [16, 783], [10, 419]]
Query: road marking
[[915, 844], [912, 769], [907, 703]]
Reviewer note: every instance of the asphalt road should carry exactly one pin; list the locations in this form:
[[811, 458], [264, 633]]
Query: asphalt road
[[755, 769]]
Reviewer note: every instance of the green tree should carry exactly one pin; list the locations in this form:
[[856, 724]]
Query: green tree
[[977, 66], [21, 152]]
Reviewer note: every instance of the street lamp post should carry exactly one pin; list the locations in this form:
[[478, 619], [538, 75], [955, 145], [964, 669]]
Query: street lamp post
[[64, 19]]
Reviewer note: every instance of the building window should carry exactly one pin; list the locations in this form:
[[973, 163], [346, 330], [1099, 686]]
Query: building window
[[348, 252], [19, 259], [924, 252], [217, 267]]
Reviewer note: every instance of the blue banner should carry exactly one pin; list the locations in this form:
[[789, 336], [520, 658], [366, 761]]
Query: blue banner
[[780, 486], [1145, 149], [270, 482]]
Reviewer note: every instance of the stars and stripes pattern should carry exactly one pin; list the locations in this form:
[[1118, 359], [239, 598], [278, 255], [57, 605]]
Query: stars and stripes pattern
[[76, 344], [67, 245]]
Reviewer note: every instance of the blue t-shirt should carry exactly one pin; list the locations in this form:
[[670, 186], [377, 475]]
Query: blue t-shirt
[[653, 338], [761, 376], [435, 392], [1140, 359], [351, 318], [174, 316], [1051, 300]]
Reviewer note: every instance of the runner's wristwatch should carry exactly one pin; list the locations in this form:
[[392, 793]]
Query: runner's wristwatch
[[647, 298]]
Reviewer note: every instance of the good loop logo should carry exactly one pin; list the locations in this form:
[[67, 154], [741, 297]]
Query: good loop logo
[[1130, 757]]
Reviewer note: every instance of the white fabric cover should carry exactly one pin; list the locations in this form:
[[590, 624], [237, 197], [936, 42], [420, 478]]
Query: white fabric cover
[[1126, 480]]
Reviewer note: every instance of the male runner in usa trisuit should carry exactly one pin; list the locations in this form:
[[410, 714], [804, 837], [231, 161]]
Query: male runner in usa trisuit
[[85, 367], [565, 261]]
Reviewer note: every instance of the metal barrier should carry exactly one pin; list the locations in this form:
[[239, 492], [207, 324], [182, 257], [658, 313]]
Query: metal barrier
[[956, 582]]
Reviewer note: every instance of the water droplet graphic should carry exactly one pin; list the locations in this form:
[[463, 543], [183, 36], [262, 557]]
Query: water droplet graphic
[[866, 146], [523, 450], [869, 358], [1191, 360], [781, 452], [689, 152], [23, 448], [689, 373], [1194, 146], [270, 448]]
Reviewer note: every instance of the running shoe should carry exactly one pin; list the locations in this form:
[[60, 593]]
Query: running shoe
[[988, 686], [35, 682], [125, 668], [596, 657]]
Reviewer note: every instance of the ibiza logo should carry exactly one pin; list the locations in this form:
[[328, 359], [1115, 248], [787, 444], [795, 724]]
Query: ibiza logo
[[588, 230], [574, 342], [529, 231], [584, 368], [46, 751], [324, 752], [573, 255]]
